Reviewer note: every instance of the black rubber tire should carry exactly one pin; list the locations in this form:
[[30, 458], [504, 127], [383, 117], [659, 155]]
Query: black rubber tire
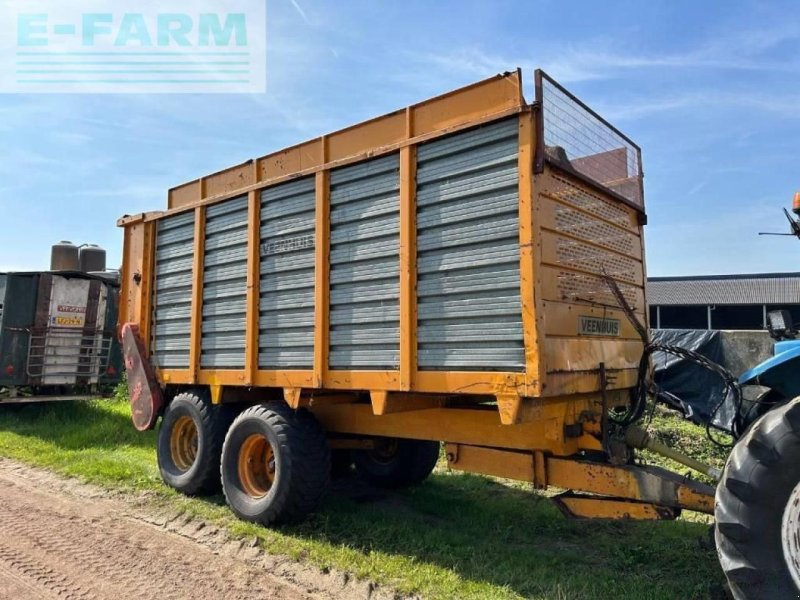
[[341, 464], [759, 477], [211, 421], [409, 464], [752, 410], [302, 464]]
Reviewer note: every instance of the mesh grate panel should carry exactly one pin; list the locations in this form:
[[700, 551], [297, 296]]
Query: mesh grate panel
[[578, 139], [577, 287], [580, 197], [576, 255], [581, 225]]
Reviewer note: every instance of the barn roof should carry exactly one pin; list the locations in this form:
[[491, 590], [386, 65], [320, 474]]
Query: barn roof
[[762, 288]]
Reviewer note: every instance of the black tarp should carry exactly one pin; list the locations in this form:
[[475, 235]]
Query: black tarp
[[686, 385]]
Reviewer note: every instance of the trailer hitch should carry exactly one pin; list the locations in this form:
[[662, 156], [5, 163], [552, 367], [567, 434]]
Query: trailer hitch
[[639, 438]]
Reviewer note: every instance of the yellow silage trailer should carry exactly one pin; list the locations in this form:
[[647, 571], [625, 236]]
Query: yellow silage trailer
[[468, 270]]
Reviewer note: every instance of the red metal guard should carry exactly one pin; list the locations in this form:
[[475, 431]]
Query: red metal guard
[[143, 389]]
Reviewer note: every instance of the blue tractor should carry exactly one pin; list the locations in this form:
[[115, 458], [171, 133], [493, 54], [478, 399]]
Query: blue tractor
[[757, 509]]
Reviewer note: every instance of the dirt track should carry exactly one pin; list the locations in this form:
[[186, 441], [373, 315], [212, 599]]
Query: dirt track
[[62, 539]]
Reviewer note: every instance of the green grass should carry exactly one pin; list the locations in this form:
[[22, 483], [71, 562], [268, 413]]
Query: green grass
[[456, 536]]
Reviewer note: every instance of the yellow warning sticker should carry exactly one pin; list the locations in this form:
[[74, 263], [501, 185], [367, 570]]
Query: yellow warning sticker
[[69, 321]]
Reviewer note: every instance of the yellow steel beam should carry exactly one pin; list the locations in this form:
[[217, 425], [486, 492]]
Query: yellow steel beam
[[384, 403], [216, 393], [176, 376], [136, 240], [648, 484], [519, 466], [470, 382], [253, 286], [292, 396], [510, 408], [598, 507], [611, 482], [474, 426], [408, 266], [125, 311], [321, 277], [233, 377], [196, 318], [465, 107], [527, 249], [280, 379], [148, 284]]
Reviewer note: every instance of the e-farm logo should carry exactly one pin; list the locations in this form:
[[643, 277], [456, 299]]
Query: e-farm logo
[[118, 46]]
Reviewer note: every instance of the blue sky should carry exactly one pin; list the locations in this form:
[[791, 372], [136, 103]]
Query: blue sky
[[710, 91]]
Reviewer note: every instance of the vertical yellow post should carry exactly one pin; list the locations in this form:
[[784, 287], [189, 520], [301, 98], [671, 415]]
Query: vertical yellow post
[[124, 311], [148, 282], [253, 286], [196, 319], [321, 277], [527, 247], [408, 266]]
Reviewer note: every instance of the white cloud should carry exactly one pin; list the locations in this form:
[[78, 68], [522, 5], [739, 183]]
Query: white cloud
[[300, 11], [697, 188], [602, 58], [785, 106]]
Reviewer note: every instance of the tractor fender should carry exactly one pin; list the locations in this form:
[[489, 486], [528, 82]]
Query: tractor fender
[[780, 372]]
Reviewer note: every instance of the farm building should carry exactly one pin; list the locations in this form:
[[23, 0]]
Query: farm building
[[721, 301]]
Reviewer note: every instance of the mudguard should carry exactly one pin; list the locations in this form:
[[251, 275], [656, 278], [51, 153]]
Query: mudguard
[[781, 372], [143, 389]]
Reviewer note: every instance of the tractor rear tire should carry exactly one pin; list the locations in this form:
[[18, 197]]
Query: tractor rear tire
[[275, 464], [397, 463], [190, 443], [757, 511]]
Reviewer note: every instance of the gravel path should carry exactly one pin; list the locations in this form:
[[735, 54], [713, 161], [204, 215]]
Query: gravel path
[[63, 539]]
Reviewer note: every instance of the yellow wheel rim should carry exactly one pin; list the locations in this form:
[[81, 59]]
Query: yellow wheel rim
[[384, 451], [256, 466], [183, 443]]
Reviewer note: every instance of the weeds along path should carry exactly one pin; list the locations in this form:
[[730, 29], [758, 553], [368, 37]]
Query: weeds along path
[[63, 539]]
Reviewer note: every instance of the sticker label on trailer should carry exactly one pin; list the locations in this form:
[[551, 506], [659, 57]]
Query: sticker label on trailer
[[72, 321], [68, 305], [598, 326], [65, 308]]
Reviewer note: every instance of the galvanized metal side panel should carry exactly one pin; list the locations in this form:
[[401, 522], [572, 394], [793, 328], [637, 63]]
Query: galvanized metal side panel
[[286, 309], [19, 309], [468, 286], [62, 345], [365, 265], [173, 291], [224, 285]]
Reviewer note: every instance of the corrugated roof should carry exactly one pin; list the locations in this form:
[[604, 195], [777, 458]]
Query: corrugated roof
[[765, 288]]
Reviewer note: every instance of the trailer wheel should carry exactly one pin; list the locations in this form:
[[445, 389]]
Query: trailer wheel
[[341, 463], [397, 463], [190, 442], [275, 464], [758, 509]]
